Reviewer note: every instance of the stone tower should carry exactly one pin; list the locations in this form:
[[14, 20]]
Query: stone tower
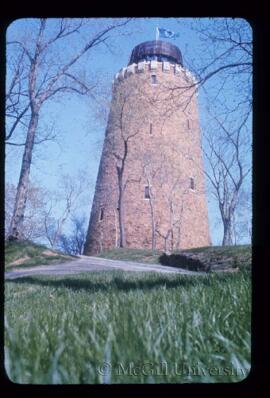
[[150, 189]]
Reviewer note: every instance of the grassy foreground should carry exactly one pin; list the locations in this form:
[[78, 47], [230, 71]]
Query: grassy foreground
[[28, 254], [117, 327]]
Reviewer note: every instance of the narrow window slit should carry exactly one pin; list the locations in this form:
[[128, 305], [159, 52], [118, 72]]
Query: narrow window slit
[[101, 214], [153, 79], [147, 192]]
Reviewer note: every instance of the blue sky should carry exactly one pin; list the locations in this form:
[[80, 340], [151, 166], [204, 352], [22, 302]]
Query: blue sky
[[79, 131]]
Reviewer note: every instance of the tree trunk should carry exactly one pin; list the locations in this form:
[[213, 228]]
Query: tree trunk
[[172, 240], [153, 224], [116, 227], [227, 234], [122, 240], [23, 185], [122, 237], [153, 236], [100, 241]]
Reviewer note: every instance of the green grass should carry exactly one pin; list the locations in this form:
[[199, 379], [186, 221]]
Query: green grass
[[238, 256], [241, 254], [141, 327], [136, 255], [33, 254]]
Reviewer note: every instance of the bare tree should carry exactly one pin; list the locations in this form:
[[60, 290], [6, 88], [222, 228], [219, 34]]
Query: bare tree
[[73, 243], [174, 198], [149, 174], [36, 79], [167, 189], [228, 167], [71, 190], [242, 220], [225, 53], [223, 71], [125, 123], [33, 228], [170, 229]]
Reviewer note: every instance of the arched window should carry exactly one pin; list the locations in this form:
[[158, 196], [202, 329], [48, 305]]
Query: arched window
[[192, 183]]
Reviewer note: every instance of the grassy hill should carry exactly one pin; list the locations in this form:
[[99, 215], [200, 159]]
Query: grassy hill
[[212, 258], [68, 328], [28, 254], [127, 321]]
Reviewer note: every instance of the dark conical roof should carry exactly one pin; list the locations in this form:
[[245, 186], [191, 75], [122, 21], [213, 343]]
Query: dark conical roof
[[157, 48]]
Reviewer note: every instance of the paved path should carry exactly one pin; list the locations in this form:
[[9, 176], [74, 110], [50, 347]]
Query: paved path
[[90, 264]]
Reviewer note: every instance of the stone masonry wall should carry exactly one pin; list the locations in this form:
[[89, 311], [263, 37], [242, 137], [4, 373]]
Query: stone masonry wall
[[155, 120]]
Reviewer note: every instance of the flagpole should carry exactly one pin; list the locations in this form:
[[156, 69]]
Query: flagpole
[[157, 33]]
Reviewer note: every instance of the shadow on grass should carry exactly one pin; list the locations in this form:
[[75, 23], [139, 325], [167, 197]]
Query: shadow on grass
[[121, 284]]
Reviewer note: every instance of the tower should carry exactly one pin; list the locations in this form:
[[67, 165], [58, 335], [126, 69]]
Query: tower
[[150, 189]]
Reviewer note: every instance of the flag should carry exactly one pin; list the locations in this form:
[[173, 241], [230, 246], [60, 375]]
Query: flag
[[167, 34]]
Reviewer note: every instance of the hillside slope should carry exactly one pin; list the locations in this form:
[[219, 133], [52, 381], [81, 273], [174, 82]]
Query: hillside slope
[[212, 258], [26, 254]]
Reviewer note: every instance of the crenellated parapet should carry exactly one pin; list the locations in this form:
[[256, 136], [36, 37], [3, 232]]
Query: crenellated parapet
[[154, 66]]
